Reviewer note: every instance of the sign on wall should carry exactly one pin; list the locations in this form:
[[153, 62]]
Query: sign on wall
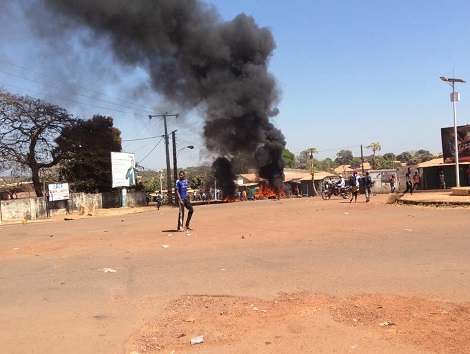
[[123, 169], [58, 191], [463, 143]]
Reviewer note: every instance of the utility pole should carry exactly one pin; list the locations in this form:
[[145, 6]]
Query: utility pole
[[362, 160], [175, 164], [167, 151], [455, 96]]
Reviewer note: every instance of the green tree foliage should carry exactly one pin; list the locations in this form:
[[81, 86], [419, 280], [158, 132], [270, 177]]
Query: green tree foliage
[[151, 185], [302, 160], [200, 177], [374, 147], [289, 158], [28, 131], [89, 144], [198, 182], [389, 156], [404, 157], [423, 156], [326, 165], [344, 157], [356, 162], [383, 163]]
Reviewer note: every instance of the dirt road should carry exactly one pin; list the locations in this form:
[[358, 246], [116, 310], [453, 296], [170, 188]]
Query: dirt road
[[294, 275]]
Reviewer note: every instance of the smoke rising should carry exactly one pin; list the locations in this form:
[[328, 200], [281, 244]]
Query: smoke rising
[[196, 60]]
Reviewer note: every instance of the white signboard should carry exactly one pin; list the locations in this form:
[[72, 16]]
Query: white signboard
[[58, 191], [123, 169]]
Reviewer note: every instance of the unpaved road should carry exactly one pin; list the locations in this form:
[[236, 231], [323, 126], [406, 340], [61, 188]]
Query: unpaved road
[[294, 275]]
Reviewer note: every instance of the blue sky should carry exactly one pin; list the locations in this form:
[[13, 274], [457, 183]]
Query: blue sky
[[350, 73]]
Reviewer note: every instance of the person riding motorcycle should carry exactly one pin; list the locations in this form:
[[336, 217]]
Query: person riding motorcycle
[[340, 183]]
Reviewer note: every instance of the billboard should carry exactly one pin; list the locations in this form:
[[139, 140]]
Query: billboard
[[58, 191], [463, 143], [123, 169]]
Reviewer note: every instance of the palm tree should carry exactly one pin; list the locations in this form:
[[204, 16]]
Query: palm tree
[[312, 169], [374, 147]]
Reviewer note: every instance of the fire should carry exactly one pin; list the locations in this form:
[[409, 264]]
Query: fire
[[267, 192]]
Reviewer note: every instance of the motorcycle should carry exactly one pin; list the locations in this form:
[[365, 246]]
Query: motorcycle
[[330, 188]]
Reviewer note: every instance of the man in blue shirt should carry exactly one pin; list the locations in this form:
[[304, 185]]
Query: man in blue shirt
[[367, 186], [183, 201]]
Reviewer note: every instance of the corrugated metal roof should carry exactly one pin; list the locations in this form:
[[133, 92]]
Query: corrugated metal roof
[[438, 162]]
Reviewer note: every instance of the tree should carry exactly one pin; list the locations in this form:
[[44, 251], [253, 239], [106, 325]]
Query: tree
[[389, 156], [344, 157], [326, 165], [302, 159], [28, 129], [374, 147], [404, 157], [383, 163], [356, 162], [289, 158], [89, 144], [423, 156]]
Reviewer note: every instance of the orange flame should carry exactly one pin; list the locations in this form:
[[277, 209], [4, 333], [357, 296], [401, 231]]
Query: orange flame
[[267, 192]]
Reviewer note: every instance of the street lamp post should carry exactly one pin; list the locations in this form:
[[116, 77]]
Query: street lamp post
[[167, 150], [454, 97], [175, 157], [186, 147]]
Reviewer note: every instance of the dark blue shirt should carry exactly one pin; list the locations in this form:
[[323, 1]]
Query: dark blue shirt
[[182, 187]]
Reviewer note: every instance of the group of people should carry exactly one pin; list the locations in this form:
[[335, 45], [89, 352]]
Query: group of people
[[354, 182], [412, 181]]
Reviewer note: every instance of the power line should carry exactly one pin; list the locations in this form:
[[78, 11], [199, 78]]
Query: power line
[[70, 84], [67, 99], [152, 149], [152, 137], [75, 93]]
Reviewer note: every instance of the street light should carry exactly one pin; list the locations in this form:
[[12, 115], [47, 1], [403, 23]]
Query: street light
[[186, 147], [167, 150], [455, 96]]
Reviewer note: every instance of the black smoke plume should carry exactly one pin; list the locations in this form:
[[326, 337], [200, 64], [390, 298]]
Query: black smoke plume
[[197, 60], [223, 174]]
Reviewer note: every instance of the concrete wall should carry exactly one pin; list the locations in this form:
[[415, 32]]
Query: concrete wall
[[380, 180], [37, 208]]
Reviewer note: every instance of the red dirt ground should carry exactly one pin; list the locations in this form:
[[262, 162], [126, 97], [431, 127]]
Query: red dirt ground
[[296, 275]]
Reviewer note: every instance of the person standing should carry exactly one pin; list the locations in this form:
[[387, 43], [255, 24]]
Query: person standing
[[415, 180], [183, 201], [392, 184], [367, 186], [409, 183], [442, 180], [354, 183]]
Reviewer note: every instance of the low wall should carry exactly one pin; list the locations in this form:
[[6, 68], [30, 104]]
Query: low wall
[[38, 208]]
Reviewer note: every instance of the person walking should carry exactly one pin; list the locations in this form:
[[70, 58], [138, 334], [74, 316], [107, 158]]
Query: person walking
[[354, 183], [159, 199], [415, 181], [367, 186], [183, 201], [409, 183]]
